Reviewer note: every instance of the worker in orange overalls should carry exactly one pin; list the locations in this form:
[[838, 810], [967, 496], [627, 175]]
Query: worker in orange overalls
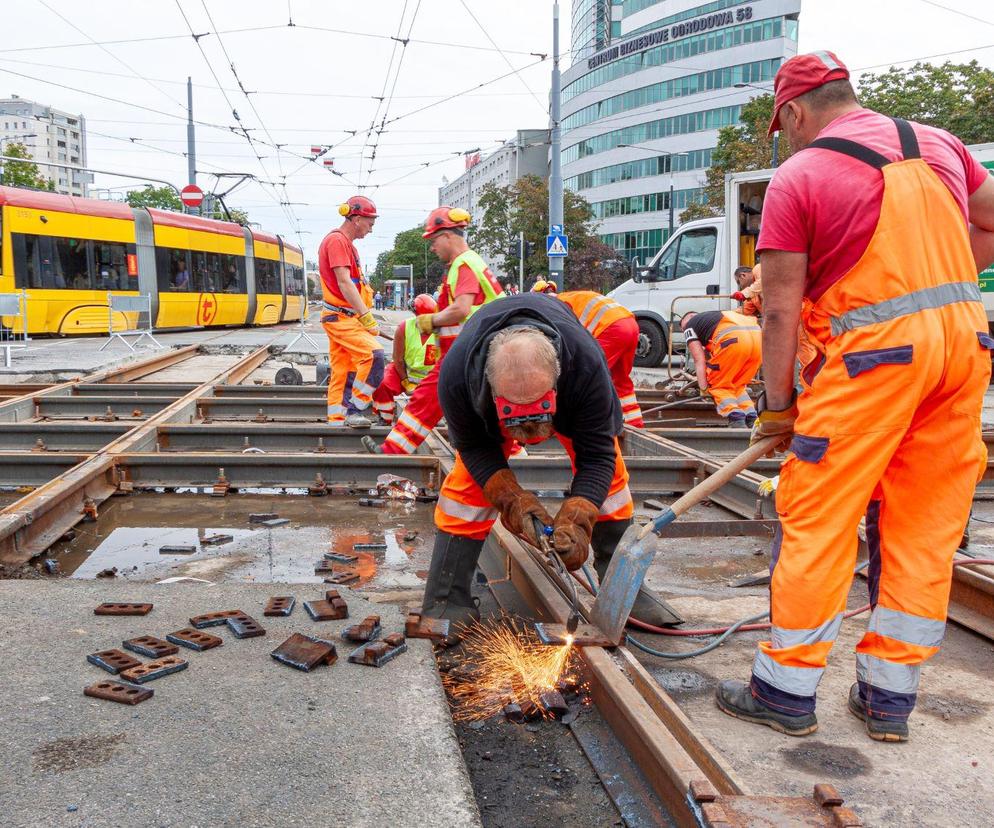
[[867, 238], [617, 332], [726, 350], [353, 352], [468, 286], [414, 355]]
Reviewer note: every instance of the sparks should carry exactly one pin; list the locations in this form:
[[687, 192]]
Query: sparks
[[510, 664]]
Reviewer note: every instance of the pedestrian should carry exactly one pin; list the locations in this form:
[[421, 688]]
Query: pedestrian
[[873, 234], [524, 370], [414, 355], [378, 300], [617, 332], [468, 286], [353, 351], [726, 350], [749, 290]]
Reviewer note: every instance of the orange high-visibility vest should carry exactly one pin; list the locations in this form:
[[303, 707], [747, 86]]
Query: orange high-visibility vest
[[595, 312]]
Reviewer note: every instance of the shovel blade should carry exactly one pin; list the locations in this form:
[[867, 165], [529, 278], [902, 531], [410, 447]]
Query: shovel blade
[[621, 582]]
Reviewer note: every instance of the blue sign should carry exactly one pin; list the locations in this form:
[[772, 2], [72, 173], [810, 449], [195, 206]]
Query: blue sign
[[557, 245], [556, 228]]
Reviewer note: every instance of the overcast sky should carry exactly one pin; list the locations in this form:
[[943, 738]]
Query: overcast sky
[[320, 83]]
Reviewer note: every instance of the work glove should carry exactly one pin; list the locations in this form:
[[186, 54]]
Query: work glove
[[571, 531], [368, 321], [425, 323], [408, 385], [771, 423], [516, 506], [738, 296]]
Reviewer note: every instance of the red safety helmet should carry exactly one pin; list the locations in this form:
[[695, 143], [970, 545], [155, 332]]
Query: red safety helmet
[[542, 286], [445, 218], [358, 206], [423, 303]]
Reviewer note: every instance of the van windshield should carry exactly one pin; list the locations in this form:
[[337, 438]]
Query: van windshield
[[691, 252]]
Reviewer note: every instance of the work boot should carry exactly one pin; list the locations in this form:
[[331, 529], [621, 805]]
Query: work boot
[[358, 421], [737, 422], [736, 699], [649, 607], [448, 590], [371, 445], [883, 730]]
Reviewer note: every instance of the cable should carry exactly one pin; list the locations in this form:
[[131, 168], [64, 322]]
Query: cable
[[957, 11]]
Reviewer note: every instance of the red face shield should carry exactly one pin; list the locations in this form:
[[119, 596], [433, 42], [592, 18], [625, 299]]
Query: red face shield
[[514, 414]]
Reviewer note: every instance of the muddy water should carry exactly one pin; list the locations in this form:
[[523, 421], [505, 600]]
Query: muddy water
[[130, 532]]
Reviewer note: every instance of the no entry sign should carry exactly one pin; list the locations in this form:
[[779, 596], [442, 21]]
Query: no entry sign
[[191, 195]]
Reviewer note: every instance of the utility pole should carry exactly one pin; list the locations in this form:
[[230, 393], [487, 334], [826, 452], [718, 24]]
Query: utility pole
[[521, 261], [191, 142], [555, 168]]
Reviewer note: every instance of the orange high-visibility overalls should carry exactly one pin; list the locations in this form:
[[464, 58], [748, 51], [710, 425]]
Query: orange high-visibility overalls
[[617, 332], [889, 426], [734, 354]]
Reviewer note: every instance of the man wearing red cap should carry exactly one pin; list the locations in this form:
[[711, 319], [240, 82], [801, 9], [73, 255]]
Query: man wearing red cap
[[872, 236], [353, 352]]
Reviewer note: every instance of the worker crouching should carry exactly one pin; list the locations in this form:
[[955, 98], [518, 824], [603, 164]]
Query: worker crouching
[[523, 370], [415, 353]]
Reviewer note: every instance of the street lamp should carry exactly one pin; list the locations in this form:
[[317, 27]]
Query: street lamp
[[776, 134], [672, 155]]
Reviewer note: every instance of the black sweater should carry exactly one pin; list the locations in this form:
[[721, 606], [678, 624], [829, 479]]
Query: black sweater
[[588, 411]]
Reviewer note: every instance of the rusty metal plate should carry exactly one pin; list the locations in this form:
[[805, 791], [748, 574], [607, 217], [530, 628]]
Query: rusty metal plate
[[214, 619], [586, 635], [365, 630], [272, 524], [154, 669], [395, 639], [553, 703], [279, 605], [342, 578], [376, 653], [118, 691], [420, 626], [113, 661], [244, 626], [262, 517], [302, 652], [194, 639], [178, 549], [365, 547], [123, 609], [149, 645], [216, 540], [343, 557], [324, 567], [323, 610]]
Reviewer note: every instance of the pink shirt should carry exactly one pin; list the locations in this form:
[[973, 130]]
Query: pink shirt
[[827, 205]]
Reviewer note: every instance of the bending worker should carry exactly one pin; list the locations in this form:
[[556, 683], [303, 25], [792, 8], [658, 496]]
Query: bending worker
[[524, 370], [726, 349], [414, 355], [468, 286], [873, 234], [353, 351], [617, 332]]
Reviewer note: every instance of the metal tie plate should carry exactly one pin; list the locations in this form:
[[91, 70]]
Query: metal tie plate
[[213, 619], [302, 652], [113, 661], [324, 610], [194, 639], [342, 578], [281, 605], [244, 626], [376, 653], [149, 645], [154, 669], [420, 626], [118, 691], [123, 609], [366, 630]]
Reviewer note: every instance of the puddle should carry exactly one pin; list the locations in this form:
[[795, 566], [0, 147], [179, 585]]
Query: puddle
[[821, 758], [683, 683], [951, 707], [64, 755]]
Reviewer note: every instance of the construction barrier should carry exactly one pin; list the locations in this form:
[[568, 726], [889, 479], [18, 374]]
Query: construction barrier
[[13, 323], [142, 305]]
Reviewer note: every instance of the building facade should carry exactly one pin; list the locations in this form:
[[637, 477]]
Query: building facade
[[525, 154], [50, 135], [643, 111]]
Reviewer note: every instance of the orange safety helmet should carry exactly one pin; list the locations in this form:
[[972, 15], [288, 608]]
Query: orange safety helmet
[[542, 286], [358, 206], [445, 218], [423, 303]]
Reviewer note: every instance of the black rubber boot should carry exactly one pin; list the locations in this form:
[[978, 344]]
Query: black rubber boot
[[448, 591], [883, 730], [736, 699], [649, 607], [371, 445]]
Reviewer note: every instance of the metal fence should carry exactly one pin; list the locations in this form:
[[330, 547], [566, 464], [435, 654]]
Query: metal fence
[[127, 305], [302, 330], [13, 323]]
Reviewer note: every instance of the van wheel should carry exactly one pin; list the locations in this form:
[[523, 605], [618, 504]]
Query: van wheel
[[651, 345]]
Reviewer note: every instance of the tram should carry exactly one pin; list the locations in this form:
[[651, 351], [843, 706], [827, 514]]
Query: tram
[[68, 253]]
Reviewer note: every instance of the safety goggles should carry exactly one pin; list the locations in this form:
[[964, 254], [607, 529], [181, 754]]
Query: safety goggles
[[514, 414]]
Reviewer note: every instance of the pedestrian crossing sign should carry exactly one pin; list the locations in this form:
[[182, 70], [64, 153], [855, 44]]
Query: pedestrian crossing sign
[[557, 245]]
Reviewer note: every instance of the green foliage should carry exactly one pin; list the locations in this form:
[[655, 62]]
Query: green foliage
[[958, 97], [161, 198], [408, 249], [23, 173], [238, 216]]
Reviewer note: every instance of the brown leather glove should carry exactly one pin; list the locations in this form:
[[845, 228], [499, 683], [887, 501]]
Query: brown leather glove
[[572, 529], [516, 506]]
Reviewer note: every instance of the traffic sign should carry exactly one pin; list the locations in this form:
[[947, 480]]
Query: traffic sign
[[191, 195], [557, 245], [556, 228]]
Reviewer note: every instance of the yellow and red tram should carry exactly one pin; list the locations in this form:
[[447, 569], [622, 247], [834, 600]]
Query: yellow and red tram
[[68, 253]]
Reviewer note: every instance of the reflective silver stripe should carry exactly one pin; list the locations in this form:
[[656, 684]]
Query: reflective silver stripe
[[450, 331], [400, 441], [721, 334], [632, 415], [898, 678], [588, 309], [592, 324], [826, 58], [782, 638], [411, 423], [628, 399], [335, 410], [911, 629], [463, 511], [925, 299], [362, 388], [617, 501], [801, 681]]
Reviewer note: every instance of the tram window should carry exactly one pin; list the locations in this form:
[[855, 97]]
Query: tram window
[[232, 271], [173, 270], [199, 282], [110, 267], [26, 270], [267, 276], [69, 265], [294, 280]]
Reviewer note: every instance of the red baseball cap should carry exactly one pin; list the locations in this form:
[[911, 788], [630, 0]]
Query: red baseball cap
[[801, 74]]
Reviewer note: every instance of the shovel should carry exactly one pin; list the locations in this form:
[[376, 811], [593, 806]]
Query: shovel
[[631, 559]]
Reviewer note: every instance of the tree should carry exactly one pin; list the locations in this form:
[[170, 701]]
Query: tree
[[739, 148], [23, 173], [408, 249], [238, 216], [161, 198], [958, 97]]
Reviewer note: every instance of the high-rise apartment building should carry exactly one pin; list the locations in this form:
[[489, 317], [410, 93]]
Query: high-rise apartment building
[[50, 136]]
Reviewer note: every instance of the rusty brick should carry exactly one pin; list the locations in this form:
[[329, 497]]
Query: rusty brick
[[394, 639], [245, 626], [376, 653], [845, 818], [552, 702], [281, 605], [342, 578], [123, 609], [303, 652], [154, 669], [419, 626], [149, 645], [827, 796], [118, 691], [214, 619], [365, 630], [113, 661], [216, 540], [513, 712], [323, 610], [262, 517], [194, 639]]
